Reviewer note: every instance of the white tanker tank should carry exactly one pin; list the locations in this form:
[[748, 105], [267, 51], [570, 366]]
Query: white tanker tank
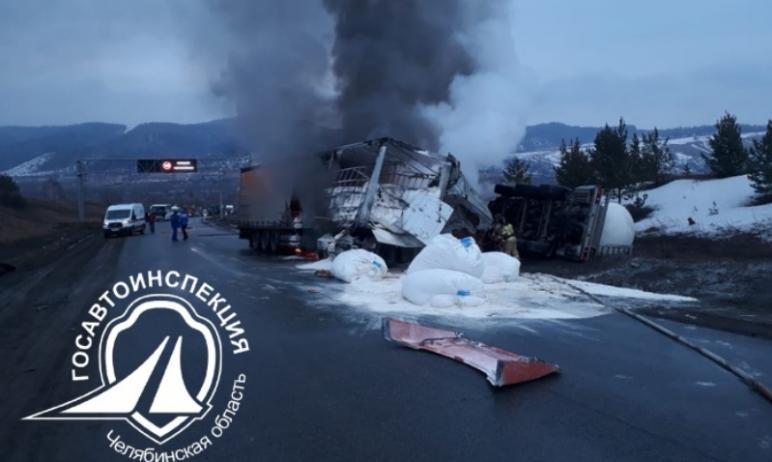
[[618, 231]]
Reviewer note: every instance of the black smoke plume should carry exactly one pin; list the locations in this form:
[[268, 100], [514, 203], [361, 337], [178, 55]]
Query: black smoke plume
[[391, 58], [306, 75]]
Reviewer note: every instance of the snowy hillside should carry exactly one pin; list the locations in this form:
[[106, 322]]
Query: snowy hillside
[[716, 206], [30, 167], [687, 151]]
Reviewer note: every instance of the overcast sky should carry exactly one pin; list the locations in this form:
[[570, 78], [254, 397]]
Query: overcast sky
[[587, 62]]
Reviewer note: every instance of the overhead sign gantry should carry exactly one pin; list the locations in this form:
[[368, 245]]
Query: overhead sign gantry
[[167, 165]]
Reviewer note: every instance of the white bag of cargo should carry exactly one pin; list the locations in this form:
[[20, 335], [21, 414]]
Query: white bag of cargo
[[499, 267], [448, 253], [355, 264], [441, 287]]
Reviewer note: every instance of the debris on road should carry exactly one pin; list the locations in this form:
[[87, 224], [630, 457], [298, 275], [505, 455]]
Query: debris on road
[[355, 264], [446, 273], [501, 367], [499, 267], [442, 288], [441, 281], [446, 252]]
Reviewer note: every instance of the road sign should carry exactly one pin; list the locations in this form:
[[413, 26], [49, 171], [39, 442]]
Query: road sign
[[167, 165]]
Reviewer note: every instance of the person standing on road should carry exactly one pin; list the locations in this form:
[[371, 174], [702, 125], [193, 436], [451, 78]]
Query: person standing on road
[[184, 224], [510, 241], [150, 219], [506, 237], [174, 220]]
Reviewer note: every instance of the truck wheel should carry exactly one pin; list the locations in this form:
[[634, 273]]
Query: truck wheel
[[273, 242], [258, 237]]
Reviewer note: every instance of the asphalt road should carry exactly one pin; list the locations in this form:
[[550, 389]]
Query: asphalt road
[[323, 384]]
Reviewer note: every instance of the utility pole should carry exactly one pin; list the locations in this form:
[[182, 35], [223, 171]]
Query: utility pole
[[81, 206], [222, 206]]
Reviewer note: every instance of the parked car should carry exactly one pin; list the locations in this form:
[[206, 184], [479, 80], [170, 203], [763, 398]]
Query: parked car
[[124, 219]]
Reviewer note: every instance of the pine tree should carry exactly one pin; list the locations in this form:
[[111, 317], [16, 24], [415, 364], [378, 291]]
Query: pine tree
[[611, 159], [9, 192], [575, 168], [729, 156], [639, 169], [656, 157], [761, 163], [517, 171], [8, 185]]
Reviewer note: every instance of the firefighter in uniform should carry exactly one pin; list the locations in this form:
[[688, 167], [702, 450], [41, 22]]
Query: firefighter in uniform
[[508, 240]]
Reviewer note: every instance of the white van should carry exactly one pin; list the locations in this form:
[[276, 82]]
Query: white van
[[124, 219]]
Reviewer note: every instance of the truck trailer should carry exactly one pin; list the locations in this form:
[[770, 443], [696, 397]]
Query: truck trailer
[[381, 194]]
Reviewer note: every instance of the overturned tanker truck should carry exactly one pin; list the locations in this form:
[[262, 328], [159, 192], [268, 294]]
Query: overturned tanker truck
[[554, 221], [382, 195]]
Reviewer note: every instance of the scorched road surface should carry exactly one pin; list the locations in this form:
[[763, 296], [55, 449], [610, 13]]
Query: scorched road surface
[[323, 384]]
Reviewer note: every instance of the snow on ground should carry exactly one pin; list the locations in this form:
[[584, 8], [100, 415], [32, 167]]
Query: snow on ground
[[716, 206], [531, 296], [29, 167], [705, 139], [624, 292]]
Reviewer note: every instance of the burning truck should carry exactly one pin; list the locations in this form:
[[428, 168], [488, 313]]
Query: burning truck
[[381, 194], [389, 197]]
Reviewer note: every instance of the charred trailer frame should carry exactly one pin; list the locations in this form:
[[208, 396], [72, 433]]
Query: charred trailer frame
[[394, 195], [381, 194], [552, 220]]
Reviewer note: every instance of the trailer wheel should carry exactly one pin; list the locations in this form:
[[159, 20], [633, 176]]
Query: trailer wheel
[[264, 241], [259, 241], [273, 242], [252, 241]]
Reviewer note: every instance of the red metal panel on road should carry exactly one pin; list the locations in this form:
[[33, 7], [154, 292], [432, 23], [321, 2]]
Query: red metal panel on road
[[500, 366]]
